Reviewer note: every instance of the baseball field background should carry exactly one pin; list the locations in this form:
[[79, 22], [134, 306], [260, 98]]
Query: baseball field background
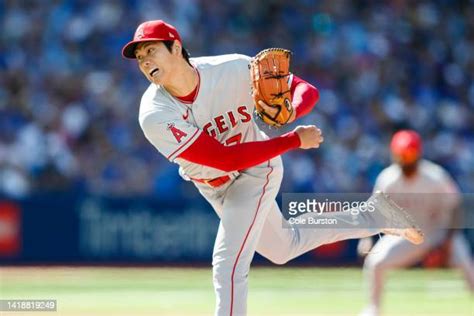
[[93, 217], [274, 291]]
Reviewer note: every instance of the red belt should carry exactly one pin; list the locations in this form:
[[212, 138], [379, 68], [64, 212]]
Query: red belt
[[216, 182]]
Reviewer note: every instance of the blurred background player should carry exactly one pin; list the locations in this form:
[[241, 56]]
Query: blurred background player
[[429, 193]]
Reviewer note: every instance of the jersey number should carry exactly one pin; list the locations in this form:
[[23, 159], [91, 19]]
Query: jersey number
[[234, 140]]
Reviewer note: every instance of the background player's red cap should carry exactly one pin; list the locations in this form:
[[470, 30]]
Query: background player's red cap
[[406, 146], [156, 30]]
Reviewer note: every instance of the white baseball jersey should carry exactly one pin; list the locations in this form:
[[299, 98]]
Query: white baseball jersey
[[172, 126], [430, 195]]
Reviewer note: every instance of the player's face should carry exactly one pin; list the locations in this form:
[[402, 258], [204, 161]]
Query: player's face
[[409, 167], [155, 61]]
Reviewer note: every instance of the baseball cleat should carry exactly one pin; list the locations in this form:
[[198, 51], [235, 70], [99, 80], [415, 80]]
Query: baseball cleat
[[399, 222], [370, 311]]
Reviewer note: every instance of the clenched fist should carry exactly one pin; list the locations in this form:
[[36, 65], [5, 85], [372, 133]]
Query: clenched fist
[[310, 136]]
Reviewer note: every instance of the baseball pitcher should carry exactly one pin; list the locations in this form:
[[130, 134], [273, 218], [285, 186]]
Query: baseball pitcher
[[198, 113]]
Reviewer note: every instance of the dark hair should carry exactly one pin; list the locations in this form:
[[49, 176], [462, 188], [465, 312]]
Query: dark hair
[[184, 52]]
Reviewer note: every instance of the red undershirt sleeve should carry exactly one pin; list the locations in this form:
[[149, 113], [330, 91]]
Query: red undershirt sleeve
[[207, 151], [305, 96]]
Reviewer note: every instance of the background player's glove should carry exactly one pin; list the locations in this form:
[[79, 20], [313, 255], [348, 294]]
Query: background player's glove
[[270, 72], [439, 257]]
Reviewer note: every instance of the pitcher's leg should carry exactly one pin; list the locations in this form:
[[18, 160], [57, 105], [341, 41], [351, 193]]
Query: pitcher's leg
[[245, 208], [280, 241], [276, 243]]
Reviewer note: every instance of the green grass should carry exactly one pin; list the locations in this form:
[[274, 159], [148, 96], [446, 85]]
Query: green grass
[[273, 291]]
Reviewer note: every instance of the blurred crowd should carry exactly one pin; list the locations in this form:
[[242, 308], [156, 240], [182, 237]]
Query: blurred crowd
[[69, 101]]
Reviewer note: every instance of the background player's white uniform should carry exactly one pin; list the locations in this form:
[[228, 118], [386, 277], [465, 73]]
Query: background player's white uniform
[[430, 196], [250, 217]]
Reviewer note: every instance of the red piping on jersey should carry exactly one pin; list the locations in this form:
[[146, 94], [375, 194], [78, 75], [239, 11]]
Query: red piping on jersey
[[245, 240], [190, 98], [207, 151], [186, 142], [304, 96]]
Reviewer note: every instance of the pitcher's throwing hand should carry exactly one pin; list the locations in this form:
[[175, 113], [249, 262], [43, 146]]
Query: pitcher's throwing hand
[[310, 136]]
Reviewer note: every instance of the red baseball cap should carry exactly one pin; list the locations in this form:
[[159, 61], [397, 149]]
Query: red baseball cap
[[406, 145], [156, 30]]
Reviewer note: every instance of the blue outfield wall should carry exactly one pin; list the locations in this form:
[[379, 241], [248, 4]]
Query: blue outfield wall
[[85, 229], [64, 228]]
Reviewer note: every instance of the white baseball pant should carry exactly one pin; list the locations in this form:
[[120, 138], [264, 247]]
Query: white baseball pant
[[392, 252]]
